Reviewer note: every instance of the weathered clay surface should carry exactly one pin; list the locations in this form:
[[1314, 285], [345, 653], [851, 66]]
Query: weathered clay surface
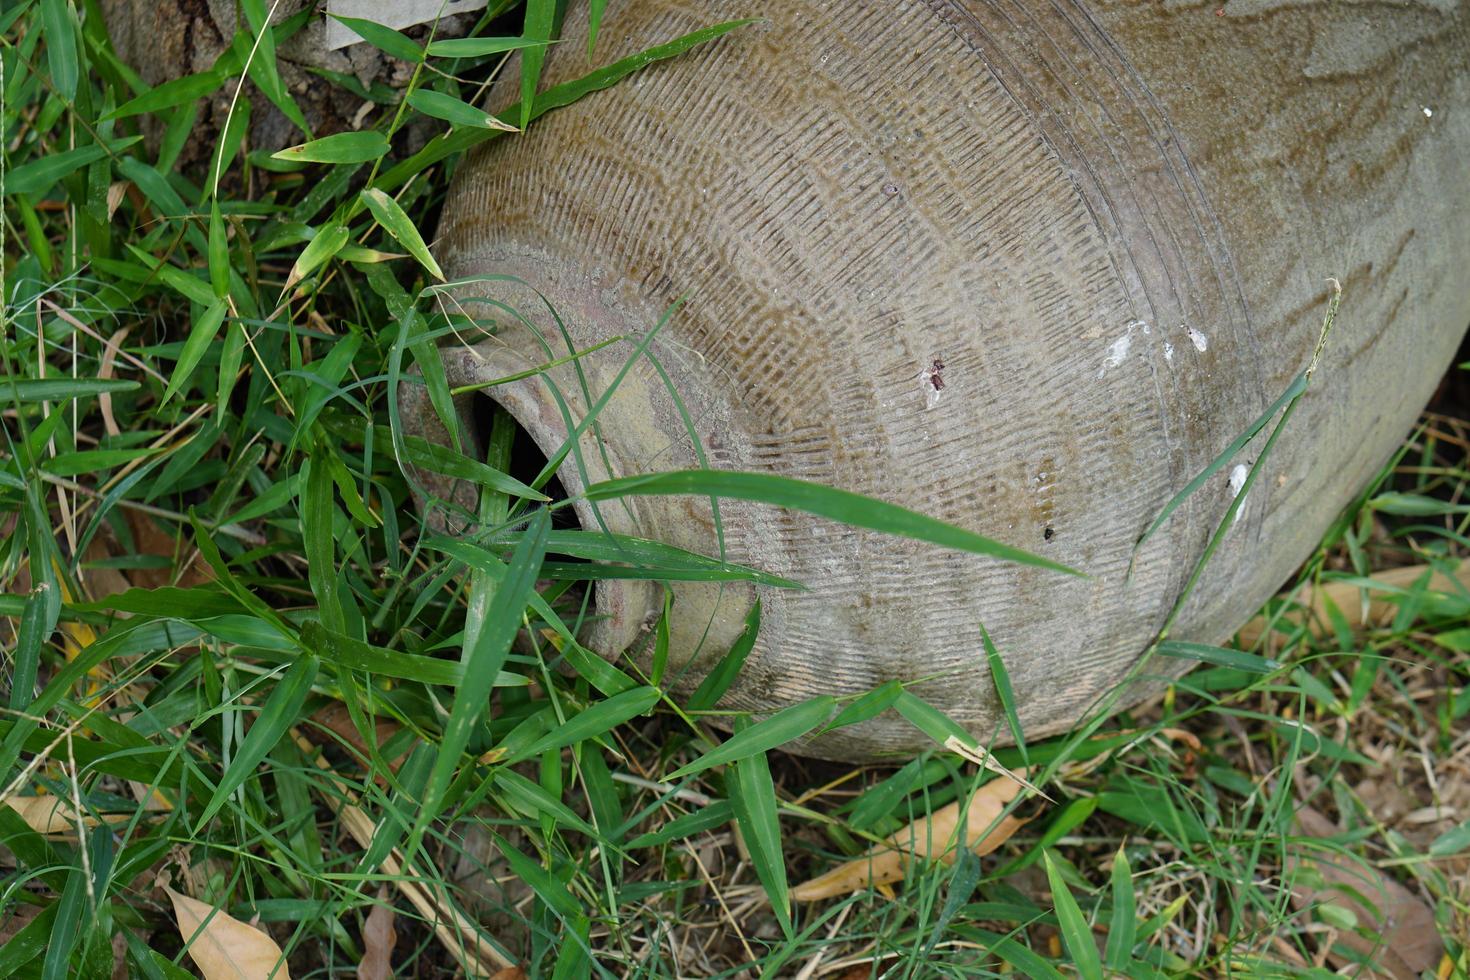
[[1025, 266]]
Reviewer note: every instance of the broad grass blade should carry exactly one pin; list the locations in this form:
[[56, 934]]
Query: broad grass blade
[[1003, 690], [814, 498], [205, 329], [1123, 926], [753, 797], [1076, 936], [358, 147], [455, 112], [596, 721], [1297, 386], [383, 38], [718, 680], [398, 224], [540, 23], [277, 716], [1219, 656], [491, 626], [780, 728], [31, 390]]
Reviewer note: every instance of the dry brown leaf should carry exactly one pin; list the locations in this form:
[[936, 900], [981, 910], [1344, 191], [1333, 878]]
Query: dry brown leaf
[[104, 370], [52, 815], [115, 193], [1408, 941], [224, 948], [1347, 597], [378, 939], [334, 717], [510, 973], [151, 539], [934, 836]]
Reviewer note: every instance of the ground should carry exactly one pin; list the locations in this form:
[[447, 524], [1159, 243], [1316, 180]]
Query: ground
[[237, 727]]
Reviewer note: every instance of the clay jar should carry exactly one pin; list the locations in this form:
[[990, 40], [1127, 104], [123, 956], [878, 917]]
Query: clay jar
[[1025, 266]]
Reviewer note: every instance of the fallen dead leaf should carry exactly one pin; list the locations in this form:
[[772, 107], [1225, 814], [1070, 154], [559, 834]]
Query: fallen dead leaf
[[934, 836], [115, 193], [378, 939], [334, 717], [223, 947], [104, 370], [151, 539], [510, 973], [1407, 941], [54, 816]]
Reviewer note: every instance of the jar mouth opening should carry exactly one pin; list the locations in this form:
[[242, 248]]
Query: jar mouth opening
[[544, 418]]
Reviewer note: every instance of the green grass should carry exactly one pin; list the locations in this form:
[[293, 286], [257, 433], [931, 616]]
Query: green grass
[[252, 676]]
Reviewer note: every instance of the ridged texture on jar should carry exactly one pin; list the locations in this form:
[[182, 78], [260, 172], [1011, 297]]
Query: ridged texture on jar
[[1024, 266]]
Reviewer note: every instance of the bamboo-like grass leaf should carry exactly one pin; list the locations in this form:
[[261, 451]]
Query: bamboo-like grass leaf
[[171, 93], [359, 147], [30, 390], [540, 23], [929, 719], [29, 943], [596, 721], [479, 47], [322, 247], [1076, 936], [344, 651], [661, 641], [1451, 842], [548, 888], [455, 112], [66, 929], [276, 716], [594, 23], [753, 798], [823, 501], [30, 635], [61, 47], [1123, 927], [1219, 656], [398, 224], [553, 98], [1297, 386], [201, 335], [531, 798], [1068, 819], [705, 818], [869, 705], [492, 622], [718, 680], [37, 176], [961, 886], [219, 252], [664, 560], [1001, 678], [780, 728], [319, 542], [383, 38], [441, 459]]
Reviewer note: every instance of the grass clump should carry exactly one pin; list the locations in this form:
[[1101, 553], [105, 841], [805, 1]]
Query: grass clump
[[242, 676]]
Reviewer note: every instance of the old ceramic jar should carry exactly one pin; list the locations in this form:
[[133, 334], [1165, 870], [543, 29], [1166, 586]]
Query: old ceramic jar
[[1026, 266]]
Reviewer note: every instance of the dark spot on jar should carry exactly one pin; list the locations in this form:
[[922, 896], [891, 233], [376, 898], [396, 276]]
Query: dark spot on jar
[[1048, 534]]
